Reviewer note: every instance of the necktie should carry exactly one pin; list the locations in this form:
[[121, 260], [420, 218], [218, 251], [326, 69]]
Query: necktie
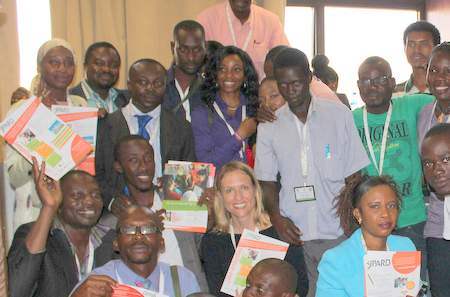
[[142, 122]]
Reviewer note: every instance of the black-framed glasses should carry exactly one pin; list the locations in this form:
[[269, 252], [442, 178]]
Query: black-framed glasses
[[378, 81], [143, 230]]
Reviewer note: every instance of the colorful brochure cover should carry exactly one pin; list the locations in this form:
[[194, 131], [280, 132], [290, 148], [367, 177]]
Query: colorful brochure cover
[[183, 185], [33, 130], [391, 274], [131, 291], [252, 248], [83, 121]]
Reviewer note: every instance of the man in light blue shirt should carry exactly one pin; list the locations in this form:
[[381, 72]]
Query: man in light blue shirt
[[139, 242]]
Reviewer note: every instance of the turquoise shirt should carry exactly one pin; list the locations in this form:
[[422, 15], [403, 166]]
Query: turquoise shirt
[[402, 159], [341, 269]]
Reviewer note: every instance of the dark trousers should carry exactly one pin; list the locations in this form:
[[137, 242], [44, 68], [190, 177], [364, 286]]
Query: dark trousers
[[415, 233], [439, 266]]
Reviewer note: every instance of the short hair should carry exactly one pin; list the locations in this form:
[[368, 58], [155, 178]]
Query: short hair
[[132, 209], [375, 60], [146, 61], [188, 25], [438, 130], [283, 270], [443, 47], [223, 218], [267, 79], [97, 45], [74, 172], [350, 197], [292, 57], [124, 140], [273, 52], [423, 26], [322, 71]]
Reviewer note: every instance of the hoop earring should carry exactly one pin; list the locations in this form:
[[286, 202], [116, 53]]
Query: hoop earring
[[244, 85]]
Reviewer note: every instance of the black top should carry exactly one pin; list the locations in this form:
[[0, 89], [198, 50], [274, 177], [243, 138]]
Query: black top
[[217, 251]]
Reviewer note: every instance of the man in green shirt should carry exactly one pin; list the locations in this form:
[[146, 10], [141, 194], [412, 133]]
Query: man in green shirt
[[388, 130]]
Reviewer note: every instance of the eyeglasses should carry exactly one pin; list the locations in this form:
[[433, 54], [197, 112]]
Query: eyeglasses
[[143, 230], [379, 81]]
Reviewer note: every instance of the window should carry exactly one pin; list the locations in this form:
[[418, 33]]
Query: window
[[34, 28], [349, 33]]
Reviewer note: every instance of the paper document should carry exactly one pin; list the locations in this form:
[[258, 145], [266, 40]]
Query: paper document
[[83, 121], [131, 291], [33, 130], [391, 274], [252, 248]]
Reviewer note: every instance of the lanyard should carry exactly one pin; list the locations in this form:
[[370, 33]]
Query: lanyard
[[185, 103], [90, 261], [233, 239], [161, 280], [365, 246], [233, 35], [379, 167], [304, 143], [244, 115], [99, 104]]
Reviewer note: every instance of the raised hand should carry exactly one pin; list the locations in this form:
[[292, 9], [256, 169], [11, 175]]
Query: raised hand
[[49, 190], [96, 286], [265, 114]]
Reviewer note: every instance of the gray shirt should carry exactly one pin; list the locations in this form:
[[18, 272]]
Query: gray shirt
[[334, 151]]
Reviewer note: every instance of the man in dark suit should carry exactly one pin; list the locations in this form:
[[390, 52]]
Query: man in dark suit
[[102, 65], [49, 256], [170, 136]]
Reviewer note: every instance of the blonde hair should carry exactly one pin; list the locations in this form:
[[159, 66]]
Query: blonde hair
[[222, 216]]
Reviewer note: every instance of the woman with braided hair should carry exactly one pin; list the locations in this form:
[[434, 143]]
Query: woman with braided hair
[[368, 208]]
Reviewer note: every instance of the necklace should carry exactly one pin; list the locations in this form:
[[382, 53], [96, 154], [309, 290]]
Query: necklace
[[232, 108]]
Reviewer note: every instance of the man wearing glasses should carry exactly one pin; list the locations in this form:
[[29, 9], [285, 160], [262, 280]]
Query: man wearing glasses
[[139, 242], [388, 130]]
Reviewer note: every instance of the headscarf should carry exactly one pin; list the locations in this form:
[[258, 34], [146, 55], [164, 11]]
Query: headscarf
[[43, 50]]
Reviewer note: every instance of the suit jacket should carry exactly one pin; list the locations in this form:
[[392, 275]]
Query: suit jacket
[[176, 142], [341, 269], [122, 99], [50, 273]]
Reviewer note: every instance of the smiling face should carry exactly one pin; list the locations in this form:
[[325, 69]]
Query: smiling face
[[262, 282], [377, 212], [270, 95], [436, 163], [438, 75], [418, 48], [189, 50], [230, 74], [82, 201], [102, 68], [147, 84], [138, 249], [238, 193], [57, 68], [136, 163]]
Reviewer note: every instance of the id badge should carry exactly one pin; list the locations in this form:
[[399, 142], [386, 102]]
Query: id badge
[[304, 193]]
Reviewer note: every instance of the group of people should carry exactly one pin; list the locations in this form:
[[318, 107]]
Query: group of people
[[293, 163]]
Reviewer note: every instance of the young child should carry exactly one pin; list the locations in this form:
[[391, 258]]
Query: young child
[[271, 278], [269, 94], [436, 167]]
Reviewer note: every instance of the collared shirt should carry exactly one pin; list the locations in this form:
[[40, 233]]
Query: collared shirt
[[407, 88], [94, 99], [265, 28], [401, 160], [153, 128], [118, 269], [334, 152], [95, 238], [213, 141]]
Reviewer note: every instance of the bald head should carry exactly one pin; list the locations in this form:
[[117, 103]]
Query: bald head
[[376, 62]]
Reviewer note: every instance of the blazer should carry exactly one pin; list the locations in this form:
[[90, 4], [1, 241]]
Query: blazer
[[122, 98], [50, 273], [176, 142], [341, 269]]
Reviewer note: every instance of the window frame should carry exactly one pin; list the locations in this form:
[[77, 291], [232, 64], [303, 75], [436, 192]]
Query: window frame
[[319, 12]]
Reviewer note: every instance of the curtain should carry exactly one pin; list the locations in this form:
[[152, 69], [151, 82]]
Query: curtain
[[138, 28]]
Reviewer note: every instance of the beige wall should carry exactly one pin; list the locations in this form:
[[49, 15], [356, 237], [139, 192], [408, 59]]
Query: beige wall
[[138, 28], [438, 13]]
